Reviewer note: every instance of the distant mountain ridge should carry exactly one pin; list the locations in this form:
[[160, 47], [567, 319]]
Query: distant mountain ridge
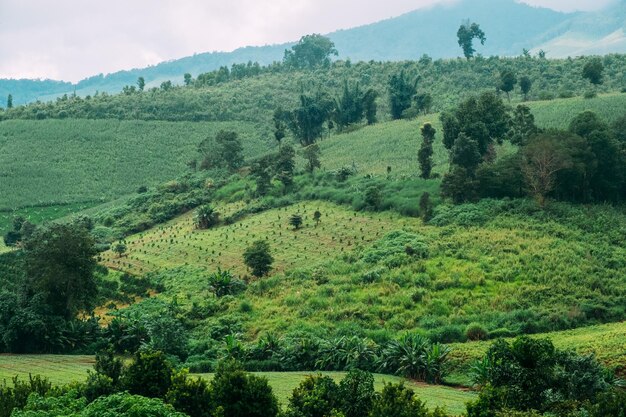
[[510, 27]]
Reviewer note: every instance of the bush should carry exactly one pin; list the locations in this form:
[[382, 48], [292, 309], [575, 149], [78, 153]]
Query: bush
[[149, 375], [239, 394], [398, 401], [316, 396], [190, 395], [475, 332]]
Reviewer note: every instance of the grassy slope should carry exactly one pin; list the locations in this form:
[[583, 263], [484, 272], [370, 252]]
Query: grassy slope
[[489, 273], [60, 161], [178, 244]]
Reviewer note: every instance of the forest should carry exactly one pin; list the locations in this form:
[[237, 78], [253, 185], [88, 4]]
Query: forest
[[457, 224]]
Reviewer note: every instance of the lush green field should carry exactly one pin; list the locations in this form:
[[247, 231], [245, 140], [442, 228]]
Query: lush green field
[[501, 264], [559, 113], [59, 369], [69, 161], [283, 383]]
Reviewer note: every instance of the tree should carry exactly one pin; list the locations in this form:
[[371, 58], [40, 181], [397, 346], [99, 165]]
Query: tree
[[373, 197], [205, 217], [526, 85], [190, 395], [349, 108], [401, 92], [371, 108], [222, 283], [593, 70], [312, 155], [120, 249], [187, 79], [466, 35], [398, 401], [310, 52], [280, 125], [466, 153], [259, 258], [316, 396], [296, 221], [356, 393], [149, 375], [60, 266], [166, 85], [285, 165], [141, 83], [307, 121], [262, 170], [543, 158], [425, 154], [237, 393], [225, 151], [423, 102], [508, 80], [317, 216], [10, 102], [522, 126], [426, 207]]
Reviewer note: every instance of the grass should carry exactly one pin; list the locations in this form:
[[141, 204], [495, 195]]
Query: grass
[[283, 383], [502, 264], [58, 369], [559, 113], [178, 243], [52, 162]]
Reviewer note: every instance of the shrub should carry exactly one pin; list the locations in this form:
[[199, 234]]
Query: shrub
[[356, 393], [398, 401], [475, 331], [189, 395], [316, 396], [258, 258], [239, 394], [149, 375]]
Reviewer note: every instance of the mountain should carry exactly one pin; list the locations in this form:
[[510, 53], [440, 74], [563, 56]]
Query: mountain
[[510, 27]]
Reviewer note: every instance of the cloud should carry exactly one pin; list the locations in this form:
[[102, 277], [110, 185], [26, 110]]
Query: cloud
[[73, 39]]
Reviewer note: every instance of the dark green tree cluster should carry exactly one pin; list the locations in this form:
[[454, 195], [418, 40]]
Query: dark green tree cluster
[[470, 132], [223, 151], [529, 375], [280, 166], [40, 314], [354, 105], [401, 93], [21, 230]]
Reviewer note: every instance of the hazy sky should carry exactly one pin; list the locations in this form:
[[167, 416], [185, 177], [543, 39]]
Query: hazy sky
[[73, 39]]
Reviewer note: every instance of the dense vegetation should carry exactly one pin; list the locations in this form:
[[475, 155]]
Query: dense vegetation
[[318, 235]]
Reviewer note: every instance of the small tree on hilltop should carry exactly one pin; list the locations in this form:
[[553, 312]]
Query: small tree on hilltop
[[466, 35], [258, 258], [296, 221]]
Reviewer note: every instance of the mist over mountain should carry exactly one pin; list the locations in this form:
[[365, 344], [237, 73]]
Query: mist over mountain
[[510, 27]]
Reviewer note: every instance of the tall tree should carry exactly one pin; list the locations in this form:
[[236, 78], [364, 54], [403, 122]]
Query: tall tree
[[285, 165], [307, 121], [312, 155], [10, 101], [187, 79], [525, 84], [310, 52], [593, 70], [141, 83], [466, 35], [371, 108], [508, 80], [425, 154], [401, 92], [280, 125], [225, 151], [60, 266], [522, 126]]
